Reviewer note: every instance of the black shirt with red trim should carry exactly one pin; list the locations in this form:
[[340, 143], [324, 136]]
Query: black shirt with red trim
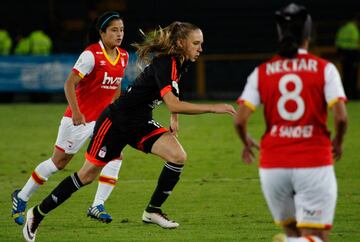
[[146, 92]]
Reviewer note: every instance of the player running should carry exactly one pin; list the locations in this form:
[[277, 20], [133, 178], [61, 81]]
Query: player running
[[129, 121], [95, 81]]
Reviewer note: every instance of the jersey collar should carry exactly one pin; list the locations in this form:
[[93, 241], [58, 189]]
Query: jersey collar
[[106, 55]]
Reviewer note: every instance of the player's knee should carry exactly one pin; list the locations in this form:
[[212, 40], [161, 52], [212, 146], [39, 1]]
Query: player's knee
[[179, 157], [60, 163], [86, 178]]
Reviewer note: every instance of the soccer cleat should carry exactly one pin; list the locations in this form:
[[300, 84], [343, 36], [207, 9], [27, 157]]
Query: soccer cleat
[[31, 225], [279, 238], [18, 208], [160, 219], [98, 212]]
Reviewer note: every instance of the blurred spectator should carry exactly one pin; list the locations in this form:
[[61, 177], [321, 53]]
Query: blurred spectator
[[40, 43], [347, 43], [5, 42], [23, 46]]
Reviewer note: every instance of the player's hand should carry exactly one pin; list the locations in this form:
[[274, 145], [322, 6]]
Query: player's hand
[[174, 127], [336, 149], [224, 108], [78, 118], [248, 155], [174, 124]]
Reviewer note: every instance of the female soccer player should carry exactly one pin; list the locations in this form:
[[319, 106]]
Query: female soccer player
[[296, 163], [95, 81], [129, 121]]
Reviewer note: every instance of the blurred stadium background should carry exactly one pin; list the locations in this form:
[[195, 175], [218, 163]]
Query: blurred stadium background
[[238, 35]]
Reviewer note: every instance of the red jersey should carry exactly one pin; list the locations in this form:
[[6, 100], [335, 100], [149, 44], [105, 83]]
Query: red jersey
[[101, 78], [295, 94]]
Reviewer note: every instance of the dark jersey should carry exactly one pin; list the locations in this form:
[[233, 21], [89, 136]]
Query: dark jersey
[[157, 79]]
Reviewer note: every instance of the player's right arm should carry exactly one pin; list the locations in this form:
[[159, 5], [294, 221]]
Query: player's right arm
[[70, 93], [240, 122], [166, 78], [83, 66], [249, 99], [176, 106]]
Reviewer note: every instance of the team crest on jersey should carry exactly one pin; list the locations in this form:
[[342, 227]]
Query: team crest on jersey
[[102, 152], [103, 63]]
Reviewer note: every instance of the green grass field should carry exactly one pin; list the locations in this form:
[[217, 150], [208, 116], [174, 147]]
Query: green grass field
[[218, 198]]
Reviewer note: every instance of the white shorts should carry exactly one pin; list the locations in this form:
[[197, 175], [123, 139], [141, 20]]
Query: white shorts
[[70, 137], [306, 196]]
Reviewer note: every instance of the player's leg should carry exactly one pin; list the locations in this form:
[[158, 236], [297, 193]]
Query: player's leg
[[59, 195], [105, 150], [284, 238], [69, 140], [107, 181], [39, 176], [315, 201], [278, 191], [168, 148], [96, 157]]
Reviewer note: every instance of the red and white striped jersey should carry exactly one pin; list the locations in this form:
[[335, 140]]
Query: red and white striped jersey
[[295, 94], [101, 78]]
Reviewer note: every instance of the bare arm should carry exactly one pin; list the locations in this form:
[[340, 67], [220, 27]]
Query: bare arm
[[70, 93], [240, 122], [176, 106], [174, 123], [340, 124]]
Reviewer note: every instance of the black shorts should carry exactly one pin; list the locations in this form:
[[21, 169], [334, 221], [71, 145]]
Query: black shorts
[[110, 136]]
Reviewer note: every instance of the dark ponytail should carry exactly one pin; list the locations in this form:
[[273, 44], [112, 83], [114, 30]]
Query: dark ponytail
[[100, 24], [288, 47], [293, 26]]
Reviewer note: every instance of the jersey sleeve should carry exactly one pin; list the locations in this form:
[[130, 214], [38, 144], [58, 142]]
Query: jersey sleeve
[[333, 89], [250, 96], [166, 75], [85, 64]]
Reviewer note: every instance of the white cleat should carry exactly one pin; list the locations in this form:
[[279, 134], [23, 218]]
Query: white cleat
[[159, 219], [29, 231]]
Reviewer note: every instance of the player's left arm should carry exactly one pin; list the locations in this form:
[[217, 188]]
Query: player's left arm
[[335, 97], [340, 124]]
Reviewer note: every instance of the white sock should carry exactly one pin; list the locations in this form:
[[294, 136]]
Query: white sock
[[311, 238], [39, 176], [107, 181]]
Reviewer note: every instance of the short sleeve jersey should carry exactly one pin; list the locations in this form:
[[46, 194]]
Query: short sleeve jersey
[[295, 94], [157, 79], [101, 78]]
